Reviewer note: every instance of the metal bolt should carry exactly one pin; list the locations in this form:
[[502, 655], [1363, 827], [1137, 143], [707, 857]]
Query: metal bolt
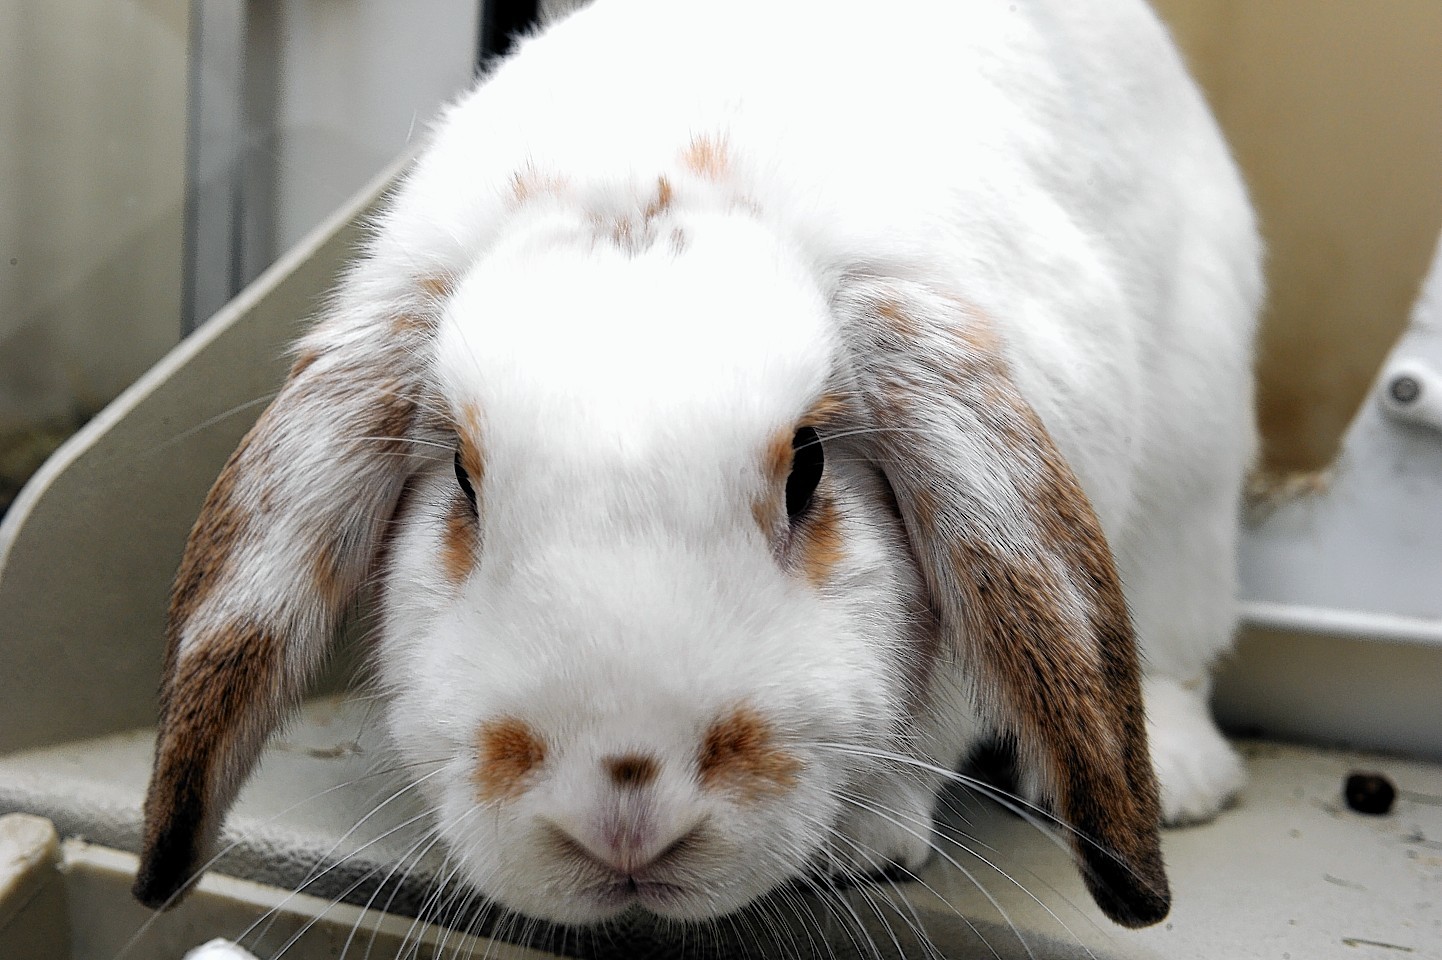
[[1405, 389]]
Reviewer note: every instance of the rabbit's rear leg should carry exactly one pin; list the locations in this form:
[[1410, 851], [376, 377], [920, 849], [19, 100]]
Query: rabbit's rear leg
[[1180, 578], [1198, 772]]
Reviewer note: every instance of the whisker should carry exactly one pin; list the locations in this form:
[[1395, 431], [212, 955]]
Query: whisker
[[240, 840], [996, 905]]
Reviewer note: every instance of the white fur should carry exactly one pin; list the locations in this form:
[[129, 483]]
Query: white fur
[[1048, 162]]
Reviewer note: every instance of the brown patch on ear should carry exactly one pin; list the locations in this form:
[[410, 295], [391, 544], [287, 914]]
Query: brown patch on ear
[[411, 322], [818, 545], [738, 753], [829, 409], [207, 711], [437, 286], [632, 770], [508, 752], [304, 362], [381, 565], [222, 524], [1028, 583], [707, 156], [392, 417]]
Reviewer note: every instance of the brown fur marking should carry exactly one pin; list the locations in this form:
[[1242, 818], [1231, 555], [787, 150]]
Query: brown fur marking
[[408, 322], [632, 770], [528, 183], [662, 203], [303, 362], [829, 408], [768, 508], [1073, 690], [707, 156], [738, 754], [223, 523], [470, 433], [819, 546], [779, 455], [508, 752], [437, 286], [218, 703], [460, 542]]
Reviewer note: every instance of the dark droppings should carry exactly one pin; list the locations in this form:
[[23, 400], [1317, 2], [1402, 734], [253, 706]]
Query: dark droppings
[[1370, 793]]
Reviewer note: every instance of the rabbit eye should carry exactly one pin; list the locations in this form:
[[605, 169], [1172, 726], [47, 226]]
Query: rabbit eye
[[807, 462], [465, 483]]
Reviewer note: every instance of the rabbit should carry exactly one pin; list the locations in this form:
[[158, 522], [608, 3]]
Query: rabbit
[[738, 413]]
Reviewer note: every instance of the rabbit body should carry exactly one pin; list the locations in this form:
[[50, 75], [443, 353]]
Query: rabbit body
[[996, 252]]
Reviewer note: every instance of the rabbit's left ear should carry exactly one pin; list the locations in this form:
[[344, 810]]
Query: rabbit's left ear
[[1018, 569], [288, 535]]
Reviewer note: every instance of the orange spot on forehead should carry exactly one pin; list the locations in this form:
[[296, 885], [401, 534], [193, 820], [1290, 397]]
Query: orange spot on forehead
[[739, 753], [708, 156], [508, 752], [529, 183]]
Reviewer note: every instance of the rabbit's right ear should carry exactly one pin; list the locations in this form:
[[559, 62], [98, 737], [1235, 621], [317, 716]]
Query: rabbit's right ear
[[287, 536], [1018, 570]]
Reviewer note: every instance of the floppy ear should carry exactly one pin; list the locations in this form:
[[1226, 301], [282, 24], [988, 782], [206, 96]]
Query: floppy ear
[[286, 538], [1019, 571]]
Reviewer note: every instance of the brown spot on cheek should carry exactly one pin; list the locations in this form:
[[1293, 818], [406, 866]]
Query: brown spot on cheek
[[738, 753], [508, 752], [459, 541]]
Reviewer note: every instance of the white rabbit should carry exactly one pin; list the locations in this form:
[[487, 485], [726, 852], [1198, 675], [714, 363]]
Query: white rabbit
[[735, 405]]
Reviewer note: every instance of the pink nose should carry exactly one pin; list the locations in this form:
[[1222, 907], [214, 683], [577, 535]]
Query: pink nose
[[627, 851]]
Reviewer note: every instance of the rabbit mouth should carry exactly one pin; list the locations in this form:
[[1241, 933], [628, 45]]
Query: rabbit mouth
[[654, 895]]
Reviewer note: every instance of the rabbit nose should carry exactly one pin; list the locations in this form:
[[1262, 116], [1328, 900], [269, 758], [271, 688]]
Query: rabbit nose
[[630, 850]]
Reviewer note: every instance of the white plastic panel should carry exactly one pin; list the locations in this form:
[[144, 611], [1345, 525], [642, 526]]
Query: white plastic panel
[[1359, 552]]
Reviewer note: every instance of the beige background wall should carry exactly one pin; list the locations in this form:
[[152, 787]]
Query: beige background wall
[[1334, 109], [92, 195]]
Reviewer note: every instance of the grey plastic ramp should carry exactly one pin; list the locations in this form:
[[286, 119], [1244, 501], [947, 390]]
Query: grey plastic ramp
[[88, 550]]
